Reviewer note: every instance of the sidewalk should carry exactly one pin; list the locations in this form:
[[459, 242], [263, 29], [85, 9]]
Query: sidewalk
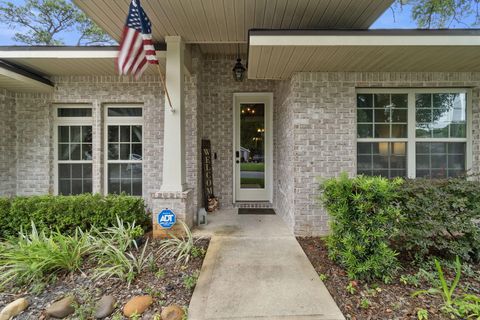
[[255, 269]]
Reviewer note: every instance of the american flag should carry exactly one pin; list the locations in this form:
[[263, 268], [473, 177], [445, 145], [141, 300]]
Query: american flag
[[136, 46]]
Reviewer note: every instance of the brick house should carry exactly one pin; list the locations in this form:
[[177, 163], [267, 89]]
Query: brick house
[[322, 94]]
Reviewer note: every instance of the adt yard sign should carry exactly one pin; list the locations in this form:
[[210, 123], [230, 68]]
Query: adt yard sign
[[166, 218]]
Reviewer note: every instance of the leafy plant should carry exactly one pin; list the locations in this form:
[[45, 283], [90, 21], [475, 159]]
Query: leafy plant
[[468, 306], [422, 314], [410, 279], [438, 219], [190, 281], [365, 303], [351, 287], [182, 248], [160, 273], [363, 218], [323, 276], [34, 256]]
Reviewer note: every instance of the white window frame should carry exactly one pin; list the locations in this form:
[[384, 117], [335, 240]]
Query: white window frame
[[119, 121], [68, 121], [411, 124]]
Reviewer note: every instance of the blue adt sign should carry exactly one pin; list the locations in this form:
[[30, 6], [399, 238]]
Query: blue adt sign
[[166, 218]]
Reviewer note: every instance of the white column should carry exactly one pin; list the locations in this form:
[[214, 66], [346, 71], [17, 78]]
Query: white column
[[174, 125]]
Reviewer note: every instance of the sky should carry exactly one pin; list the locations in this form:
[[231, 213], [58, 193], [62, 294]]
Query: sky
[[401, 20]]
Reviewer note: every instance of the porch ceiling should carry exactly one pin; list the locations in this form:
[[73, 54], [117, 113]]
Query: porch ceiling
[[16, 79], [277, 54], [216, 21]]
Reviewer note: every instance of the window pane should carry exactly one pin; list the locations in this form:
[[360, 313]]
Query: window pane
[[125, 151], [113, 151], [86, 152], [114, 186], [365, 131], [399, 115], [400, 100], [423, 101], [113, 133], [136, 133], [423, 115], [125, 171], [382, 115], [63, 134], [87, 171], [63, 152], [87, 134], [458, 130], [381, 100], [364, 162], [77, 186], [74, 112], [87, 186], [423, 130], [64, 171], [114, 171], [382, 131], [124, 112], [125, 134], [126, 186], [77, 171], [64, 187], [136, 151], [75, 134], [364, 148], [399, 131], [365, 101], [75, 152]]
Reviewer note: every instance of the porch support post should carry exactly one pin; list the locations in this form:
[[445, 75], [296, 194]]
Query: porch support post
[[173, 179]]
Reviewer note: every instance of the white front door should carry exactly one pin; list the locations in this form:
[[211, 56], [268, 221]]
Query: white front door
[[252, 147]]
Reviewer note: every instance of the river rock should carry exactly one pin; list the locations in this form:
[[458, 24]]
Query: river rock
[[62, 308], [137, 305], [105, 307], [14, 308], [172, 312]]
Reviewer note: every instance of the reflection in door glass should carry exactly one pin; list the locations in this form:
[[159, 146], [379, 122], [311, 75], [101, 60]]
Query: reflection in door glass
[[252, 146]]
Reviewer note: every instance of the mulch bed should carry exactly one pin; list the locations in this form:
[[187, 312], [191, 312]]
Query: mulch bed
[[166, 289], [393, 301]]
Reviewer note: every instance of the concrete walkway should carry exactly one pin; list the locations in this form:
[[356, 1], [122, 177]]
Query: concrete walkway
[[255, 269]]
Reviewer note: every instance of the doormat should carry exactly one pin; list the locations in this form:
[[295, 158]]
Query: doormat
[[255, 211]]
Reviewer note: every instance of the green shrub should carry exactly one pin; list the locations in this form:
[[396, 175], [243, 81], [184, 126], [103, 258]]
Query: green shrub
[[34, 256], [66, 213], [438, 218], [363, 219]]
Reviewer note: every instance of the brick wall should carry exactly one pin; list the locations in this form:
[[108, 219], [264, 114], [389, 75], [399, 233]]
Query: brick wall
[[8, 134], [324, 120]]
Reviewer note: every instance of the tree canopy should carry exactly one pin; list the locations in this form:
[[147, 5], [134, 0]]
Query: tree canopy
[[40, 22], [442, 13]]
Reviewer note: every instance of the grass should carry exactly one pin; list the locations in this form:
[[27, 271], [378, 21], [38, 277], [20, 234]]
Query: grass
[[253, 181], [251, 166]]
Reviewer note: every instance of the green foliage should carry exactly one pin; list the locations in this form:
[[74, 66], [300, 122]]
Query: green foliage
[[111, 251], [67, 213], [182, 248], [41, 21], [444, 13], [34, 256], [468, 306], [437, 218], [323, 277], [409, 279], [190, 281], [363, 218], [351, 287], [365, 303], [422, 314]]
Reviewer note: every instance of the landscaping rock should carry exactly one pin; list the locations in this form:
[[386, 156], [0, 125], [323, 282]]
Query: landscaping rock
[[105, 307], [14, 308], [172, 312], [61, 308], [137, 305]]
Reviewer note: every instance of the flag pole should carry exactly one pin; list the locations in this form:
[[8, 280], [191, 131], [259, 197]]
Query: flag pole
[[165, 88]]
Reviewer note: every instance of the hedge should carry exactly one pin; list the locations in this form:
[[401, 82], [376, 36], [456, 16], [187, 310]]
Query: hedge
[[438, 218], [374, 218], [66, 213]]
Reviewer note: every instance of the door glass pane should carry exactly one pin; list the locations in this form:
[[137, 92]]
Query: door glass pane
[[252, 146]]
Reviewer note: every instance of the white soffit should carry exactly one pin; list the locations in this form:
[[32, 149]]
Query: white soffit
[[63, 61], [18, 80], [277, 54], [228, 21]]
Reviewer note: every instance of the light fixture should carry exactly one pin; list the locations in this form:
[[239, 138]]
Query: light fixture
[[238, 70]]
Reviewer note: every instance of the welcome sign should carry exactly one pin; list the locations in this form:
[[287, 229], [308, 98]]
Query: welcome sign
[[207, 176]]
